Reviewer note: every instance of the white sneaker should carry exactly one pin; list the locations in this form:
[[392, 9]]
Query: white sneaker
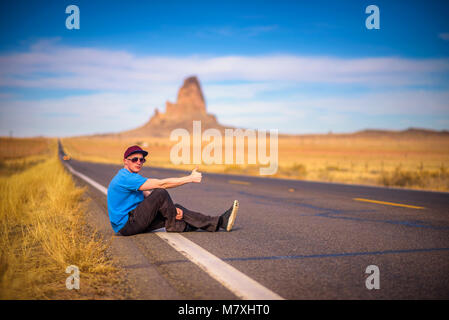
[[228, 218]]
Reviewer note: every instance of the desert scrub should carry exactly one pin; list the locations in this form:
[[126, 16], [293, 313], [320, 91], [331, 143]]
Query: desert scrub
[[296, 170], [420, 178], [43, 231]]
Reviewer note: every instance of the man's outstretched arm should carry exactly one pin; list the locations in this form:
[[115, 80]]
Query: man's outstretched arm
[[167, 183]]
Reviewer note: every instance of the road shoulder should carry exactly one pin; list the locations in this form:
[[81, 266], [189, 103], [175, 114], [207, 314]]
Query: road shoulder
[[141, 280]]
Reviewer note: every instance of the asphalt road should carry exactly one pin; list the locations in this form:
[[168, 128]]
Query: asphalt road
[[305, 240]]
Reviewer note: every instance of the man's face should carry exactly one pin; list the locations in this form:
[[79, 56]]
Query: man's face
[[134, 166]]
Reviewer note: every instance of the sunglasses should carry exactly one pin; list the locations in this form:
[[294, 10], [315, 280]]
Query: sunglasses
[[135, 159]]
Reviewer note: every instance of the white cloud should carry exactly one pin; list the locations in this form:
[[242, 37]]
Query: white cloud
[[416, 102], [96, 113], [369, 104], [51, 66]]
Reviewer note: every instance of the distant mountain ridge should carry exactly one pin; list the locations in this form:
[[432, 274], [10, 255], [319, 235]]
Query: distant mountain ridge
[[407, 132]]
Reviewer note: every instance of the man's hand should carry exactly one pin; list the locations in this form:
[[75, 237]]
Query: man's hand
[[195, 175], [178, 214]]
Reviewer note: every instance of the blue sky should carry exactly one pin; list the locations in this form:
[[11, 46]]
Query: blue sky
[[296, 66]]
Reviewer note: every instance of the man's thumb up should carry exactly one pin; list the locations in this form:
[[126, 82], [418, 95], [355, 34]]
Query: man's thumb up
[[196, 176]]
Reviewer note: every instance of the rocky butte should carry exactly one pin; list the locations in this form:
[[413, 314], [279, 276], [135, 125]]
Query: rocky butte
[[190, 105], [188, 123]]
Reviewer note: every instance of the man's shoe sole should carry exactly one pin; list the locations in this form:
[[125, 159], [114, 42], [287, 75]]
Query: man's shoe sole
[[231, 220]]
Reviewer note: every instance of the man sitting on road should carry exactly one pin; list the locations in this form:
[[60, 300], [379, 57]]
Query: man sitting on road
[[137, 204]]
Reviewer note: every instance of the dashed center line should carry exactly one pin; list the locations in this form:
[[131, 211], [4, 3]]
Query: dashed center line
[[388, 203], [246, 183]]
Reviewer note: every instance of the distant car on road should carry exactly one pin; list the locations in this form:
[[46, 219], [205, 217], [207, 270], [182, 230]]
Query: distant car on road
[[66, 157]]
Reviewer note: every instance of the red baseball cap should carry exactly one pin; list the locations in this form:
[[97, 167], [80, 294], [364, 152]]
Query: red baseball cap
[[134, 149]]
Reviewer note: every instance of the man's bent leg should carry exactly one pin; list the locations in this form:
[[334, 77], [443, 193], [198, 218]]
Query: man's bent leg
[[144, 217], [168, 210], [196, 220]]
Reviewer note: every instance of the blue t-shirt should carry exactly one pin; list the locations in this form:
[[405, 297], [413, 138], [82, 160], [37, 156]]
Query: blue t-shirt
[[123, 196]]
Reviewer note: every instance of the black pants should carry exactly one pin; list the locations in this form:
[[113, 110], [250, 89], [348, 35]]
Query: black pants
[[158, 211]]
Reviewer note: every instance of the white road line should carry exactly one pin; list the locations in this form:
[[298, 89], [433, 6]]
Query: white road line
[[87, 179], [237, 282]]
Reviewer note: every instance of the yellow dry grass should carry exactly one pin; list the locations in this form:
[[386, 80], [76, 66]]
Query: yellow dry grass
[[388, 160], [419, 162], [43, 229], [12, 148]]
